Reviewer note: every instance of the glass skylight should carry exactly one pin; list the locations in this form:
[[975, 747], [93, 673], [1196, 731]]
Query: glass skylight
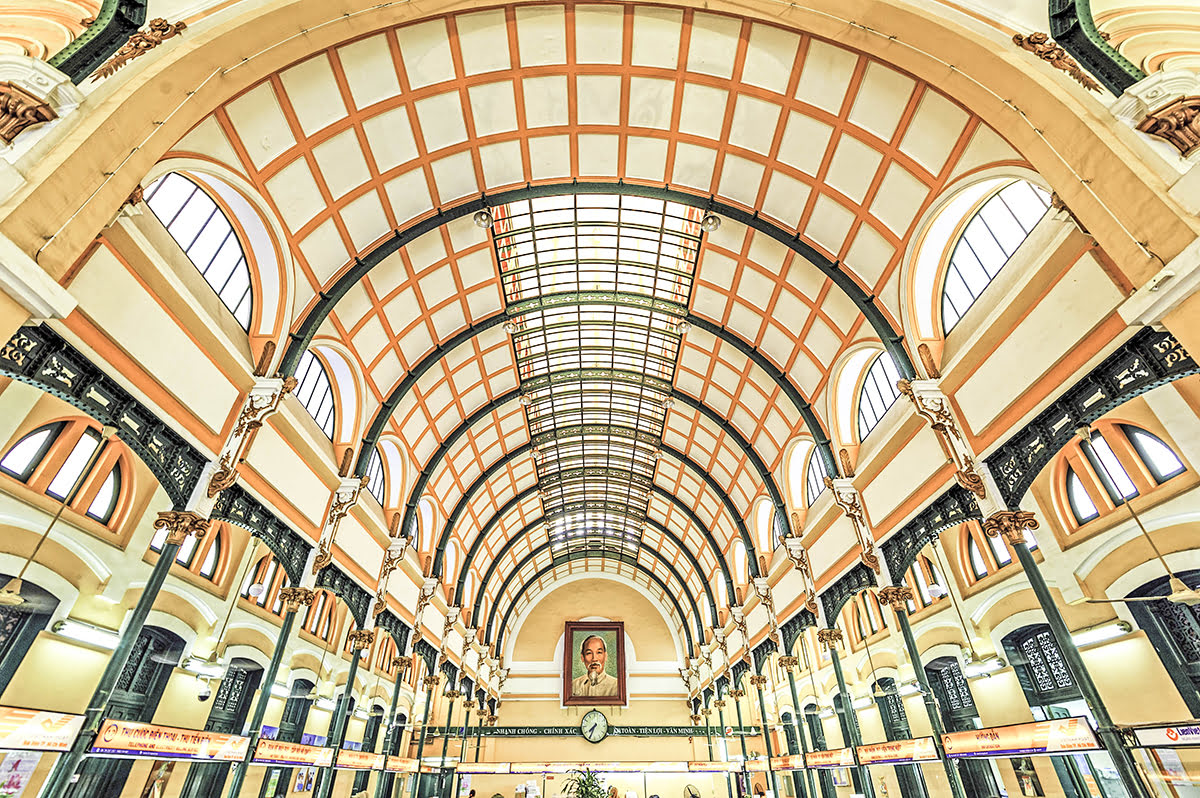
[[596, 289]]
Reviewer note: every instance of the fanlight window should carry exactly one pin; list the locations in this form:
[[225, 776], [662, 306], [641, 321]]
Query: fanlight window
[[815, 476], [263, 585], [986, 555], [201, 556], [376, 481], [879, 392], [73, 445], [927, 584], [315, 392], [1122, 462], [207, 237], [994, 233]]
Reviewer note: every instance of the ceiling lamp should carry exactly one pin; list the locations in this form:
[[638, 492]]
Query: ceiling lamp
[[682, 327], [485, 220], [710, 223], [526, 400], [510, 327]]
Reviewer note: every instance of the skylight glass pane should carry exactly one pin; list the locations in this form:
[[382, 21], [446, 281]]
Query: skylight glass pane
[[105, 502], [1081, 503], [27, 453], [1111, 470], [66, 478], [1158, 457], [315, 392]]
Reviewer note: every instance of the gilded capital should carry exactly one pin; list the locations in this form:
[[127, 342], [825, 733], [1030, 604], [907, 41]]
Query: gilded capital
[[897, 596], [362, 638], [491, 719], [401, 663], [829, 638], [432, 680], [719, 703], [453, 694], [468, 704], [1012, 524], [696, 720], [789, 663], [706, 712], [758, 680], [180, 524], [735, 694], [295, 597]]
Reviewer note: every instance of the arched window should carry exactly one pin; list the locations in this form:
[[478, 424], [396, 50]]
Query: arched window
[[987, 242], [376, 482], [264, 583], [207, 237], [764, 513], [424, 538], [797, 462], [739, 562], [815, 476], [318, 618], [468, 589], [879, 392], [983, 555], [201, 556], [1122, 462], [451, 563], [55, 459], [315, 392], [926, 583]]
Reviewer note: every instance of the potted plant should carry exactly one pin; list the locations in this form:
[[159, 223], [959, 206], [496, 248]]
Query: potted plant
[[583, 784]]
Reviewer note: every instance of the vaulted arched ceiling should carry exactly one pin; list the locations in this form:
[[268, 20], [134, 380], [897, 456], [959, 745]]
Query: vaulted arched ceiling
[[598, 137]]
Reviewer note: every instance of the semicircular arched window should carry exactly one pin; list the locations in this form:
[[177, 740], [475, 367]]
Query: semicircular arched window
[[988, 241], [315, 391], [376, 480], [201, 556], [205, 234], [68, 461], [879, 392], [814, 477]]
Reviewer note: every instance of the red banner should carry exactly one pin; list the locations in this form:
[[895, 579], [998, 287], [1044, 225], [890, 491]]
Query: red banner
[[275, 752], [123, 738], [1060, 736], [837, 758]]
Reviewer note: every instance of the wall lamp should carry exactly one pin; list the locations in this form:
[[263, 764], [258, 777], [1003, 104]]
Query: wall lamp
[[1101, 632], [203, 667], [983, 666], [86, 633]]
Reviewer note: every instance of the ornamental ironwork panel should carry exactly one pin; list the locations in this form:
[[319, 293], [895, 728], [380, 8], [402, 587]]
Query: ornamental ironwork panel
[[450, 671], [1144, 362], [113, 25], [841, 591], [427, 653], [900, 550], [236, 506], [389, 622], [40, 357], [340, 584], [1074, 29], [709, 694], [722, 685], [794, 627], [466, 686], [739, 670], [762, 652], [480, 697]]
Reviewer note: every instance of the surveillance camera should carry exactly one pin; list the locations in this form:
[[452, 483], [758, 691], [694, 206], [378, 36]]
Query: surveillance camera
[[204, 693]]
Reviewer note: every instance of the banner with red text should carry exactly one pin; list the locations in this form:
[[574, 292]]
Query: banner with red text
[[1060, 736], [124, 738]]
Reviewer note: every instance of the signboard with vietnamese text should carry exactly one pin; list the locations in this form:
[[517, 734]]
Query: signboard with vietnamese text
[[713, 767], [34, 730], [474, 768], [898, 752], [837, 758], [124, 738], [274, 752], [1168, 736], [359, 760], [398, 764], [757, 766], [790, 762], [1045, 737]]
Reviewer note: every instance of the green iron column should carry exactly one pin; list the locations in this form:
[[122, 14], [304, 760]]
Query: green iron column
[[359, 639], [760, 682], [452, 694], [179, 524], [899, 597], [720, 705], [707, 713], [736, 695], [431, 681], [1013, 524], [482, 713], [789, 664], [468, 705], [831, 638], [293, 598], [383, 783]]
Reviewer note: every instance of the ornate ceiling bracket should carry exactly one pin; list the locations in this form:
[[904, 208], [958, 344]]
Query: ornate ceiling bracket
[[1177, 123], [19, 110], [262, 401], [424, 598], [847, 497], [1041, 45], [795, 551], [139, 44], [931, 404], [393, 556], [762, 589], [344, 497]]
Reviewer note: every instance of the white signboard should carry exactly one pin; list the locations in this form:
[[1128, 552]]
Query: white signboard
[[1168, 736]]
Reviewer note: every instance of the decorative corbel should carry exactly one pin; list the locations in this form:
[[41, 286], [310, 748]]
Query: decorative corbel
[[1045, 48], [424, 597], [931, 404], [847, 497], [795, 551], [344, 497], [143, 41], [21, 109], [261, 401], [392, 557]]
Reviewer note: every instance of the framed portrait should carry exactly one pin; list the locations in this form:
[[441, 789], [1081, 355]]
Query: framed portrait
[[594, 663]]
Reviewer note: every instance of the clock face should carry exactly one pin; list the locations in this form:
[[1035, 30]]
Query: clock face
[[594, 727], [691, 791]]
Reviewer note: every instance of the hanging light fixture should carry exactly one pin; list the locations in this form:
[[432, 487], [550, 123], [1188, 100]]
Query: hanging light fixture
[[483, 219], [10, 594], [710, 223], [973, 664]]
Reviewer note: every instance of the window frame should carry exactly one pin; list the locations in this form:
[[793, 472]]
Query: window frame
[[872, 379], [972, 536], [377, 473], [305, 369], [814, 468], [194, 553]]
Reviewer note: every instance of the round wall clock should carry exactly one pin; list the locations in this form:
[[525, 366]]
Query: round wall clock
[[594, 726]]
